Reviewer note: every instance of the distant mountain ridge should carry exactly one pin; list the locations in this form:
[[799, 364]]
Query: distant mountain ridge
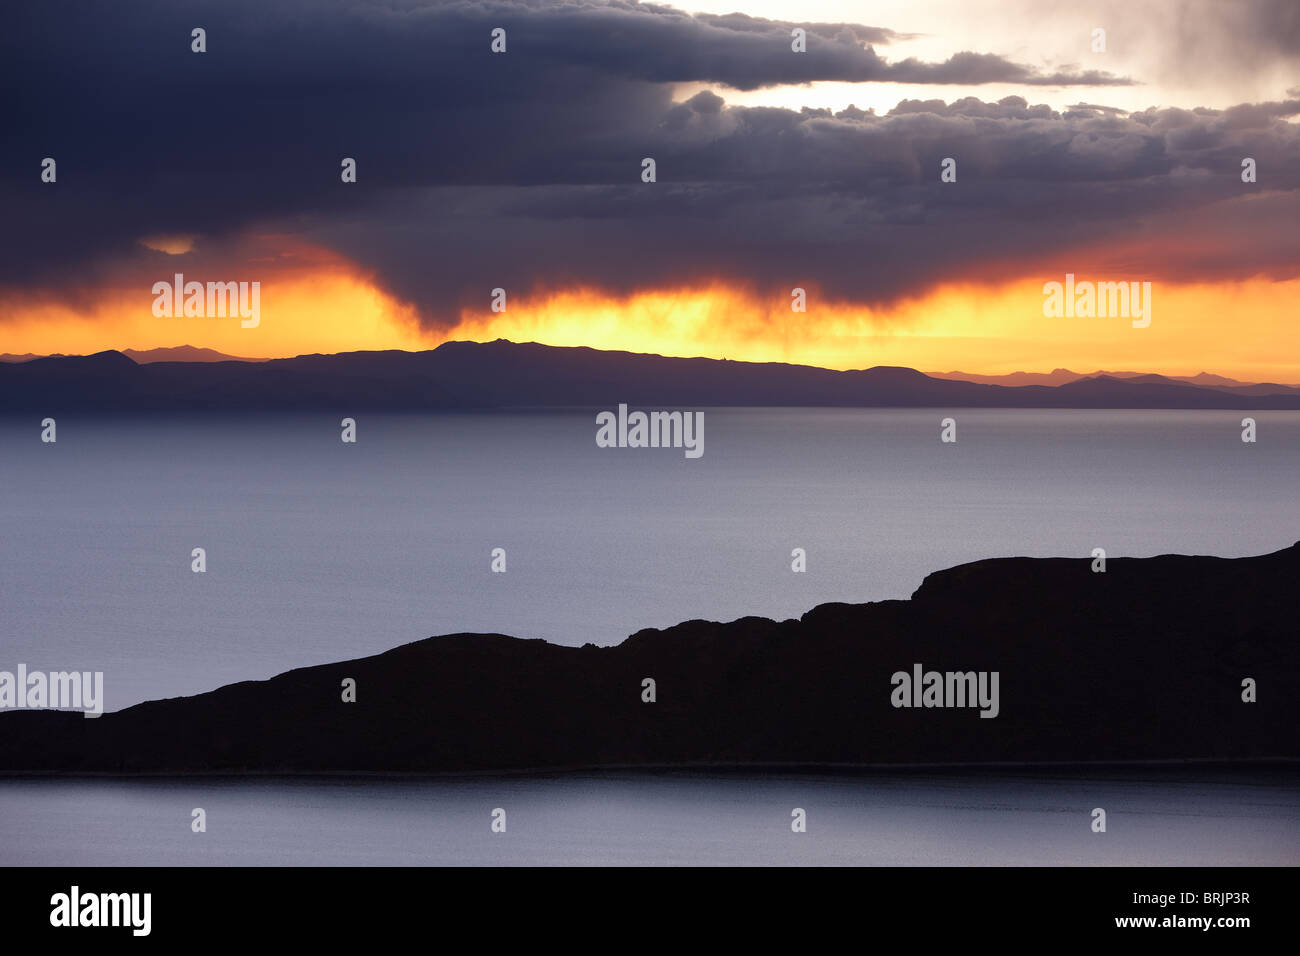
[[183, 353], [1059, 376], [501, 374], [179, 353], [1062, 376]]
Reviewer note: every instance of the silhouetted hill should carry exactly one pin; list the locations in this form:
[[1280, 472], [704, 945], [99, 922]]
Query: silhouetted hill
[[506, 374], [1058, 376], [1142, 662], [183, 353]]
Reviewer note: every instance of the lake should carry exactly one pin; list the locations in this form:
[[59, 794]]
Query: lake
[[1155, 817], [320, 551]]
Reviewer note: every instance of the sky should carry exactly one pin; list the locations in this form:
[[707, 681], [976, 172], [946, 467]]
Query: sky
[[775, 170]]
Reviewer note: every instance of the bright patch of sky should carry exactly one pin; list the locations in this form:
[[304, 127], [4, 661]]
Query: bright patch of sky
[[1180, 53]]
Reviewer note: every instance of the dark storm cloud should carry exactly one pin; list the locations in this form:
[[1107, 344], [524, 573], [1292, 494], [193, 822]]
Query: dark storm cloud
[[523, 170]]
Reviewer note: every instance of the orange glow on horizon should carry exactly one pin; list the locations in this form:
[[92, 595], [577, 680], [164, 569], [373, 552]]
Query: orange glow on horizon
[[324, 310], [1244, 330]]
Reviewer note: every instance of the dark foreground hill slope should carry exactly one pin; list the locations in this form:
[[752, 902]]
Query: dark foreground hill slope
[[1142, 662]]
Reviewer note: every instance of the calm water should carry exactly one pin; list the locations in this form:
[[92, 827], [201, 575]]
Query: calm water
[[319, 551], [1160, 817]]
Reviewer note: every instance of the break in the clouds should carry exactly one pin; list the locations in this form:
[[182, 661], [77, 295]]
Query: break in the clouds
[[522, 169], [665, 45]]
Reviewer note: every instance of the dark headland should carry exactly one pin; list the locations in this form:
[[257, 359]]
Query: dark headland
[[1144, 662]]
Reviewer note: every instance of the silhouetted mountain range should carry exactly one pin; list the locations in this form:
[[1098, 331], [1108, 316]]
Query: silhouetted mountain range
[[504, 374], [1142, 662], [179, 353], [1061, 376]]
